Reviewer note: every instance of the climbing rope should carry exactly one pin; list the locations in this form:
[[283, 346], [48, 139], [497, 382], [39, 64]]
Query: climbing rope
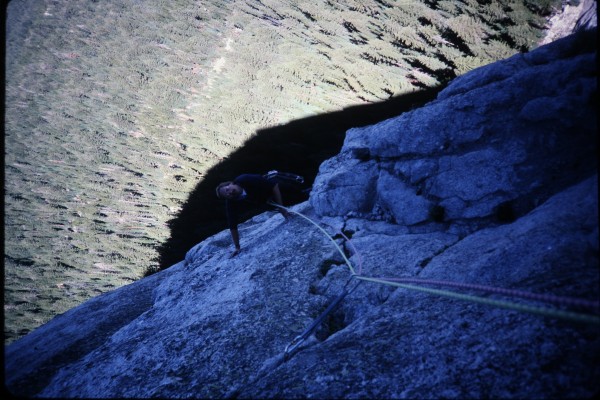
[[400, 282], [308, 331], [547, 312], [360, 261], [322, 230], [548, 298]]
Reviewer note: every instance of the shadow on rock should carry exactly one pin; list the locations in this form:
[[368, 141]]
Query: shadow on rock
[[299, 146]]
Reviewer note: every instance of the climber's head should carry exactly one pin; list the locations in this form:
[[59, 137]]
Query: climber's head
[[228, 190]]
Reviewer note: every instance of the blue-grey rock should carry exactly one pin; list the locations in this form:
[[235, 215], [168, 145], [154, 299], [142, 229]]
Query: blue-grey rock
[[417, 201], [401, 199], [406, 344], [342, 193], [497, 138]]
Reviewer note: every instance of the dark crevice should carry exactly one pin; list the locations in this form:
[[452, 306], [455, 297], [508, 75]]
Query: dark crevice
[[326, 266], [334, 322], [427, 260]]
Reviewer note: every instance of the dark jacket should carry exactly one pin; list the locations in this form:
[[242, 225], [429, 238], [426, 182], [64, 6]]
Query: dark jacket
[[257, 190]]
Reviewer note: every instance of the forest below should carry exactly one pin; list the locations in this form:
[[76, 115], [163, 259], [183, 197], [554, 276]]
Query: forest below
[[116, 111]]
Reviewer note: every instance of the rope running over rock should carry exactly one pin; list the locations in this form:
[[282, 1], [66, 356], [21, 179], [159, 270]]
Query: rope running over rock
[[416, 286]]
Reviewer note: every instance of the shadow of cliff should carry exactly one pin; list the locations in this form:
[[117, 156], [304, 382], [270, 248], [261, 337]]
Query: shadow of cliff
[[299, 146]]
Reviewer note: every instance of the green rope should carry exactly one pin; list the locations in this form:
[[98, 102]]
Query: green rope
[[547, 312], [324, 231]]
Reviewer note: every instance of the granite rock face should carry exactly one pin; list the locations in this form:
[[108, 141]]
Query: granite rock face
[[493, 145], [494, 184]]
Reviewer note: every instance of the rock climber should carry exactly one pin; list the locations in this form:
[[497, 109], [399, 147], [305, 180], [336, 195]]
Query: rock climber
[[247, 190]]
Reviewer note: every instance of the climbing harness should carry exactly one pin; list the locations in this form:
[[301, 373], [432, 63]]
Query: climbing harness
[[284, 177]]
